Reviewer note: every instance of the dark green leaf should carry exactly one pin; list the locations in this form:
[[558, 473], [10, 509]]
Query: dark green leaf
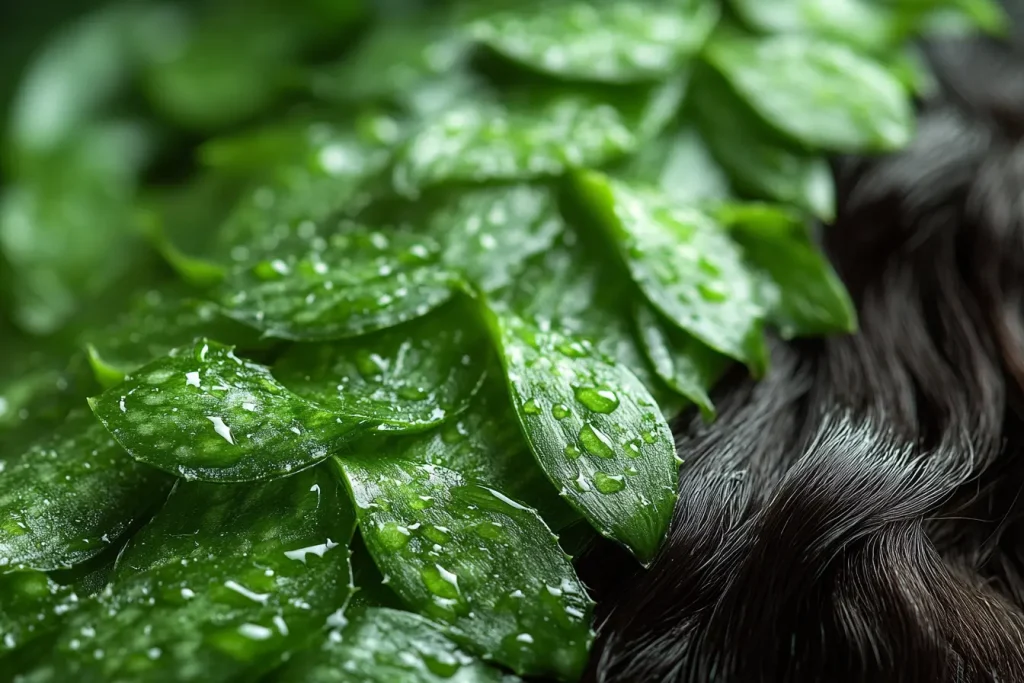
[[594, 429], [33, 606], [685, 263], [221, 586], [533, 136], [760, 161], [410, 377], [390, 646], [808, 299], [350, 282], [70, 495], [467, 556], [157, 323], [203, 413], [684, 363], [617, 42], [820, 93]]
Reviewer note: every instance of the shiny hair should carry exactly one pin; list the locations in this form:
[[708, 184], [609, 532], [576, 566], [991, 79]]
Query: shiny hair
[[857, 514]]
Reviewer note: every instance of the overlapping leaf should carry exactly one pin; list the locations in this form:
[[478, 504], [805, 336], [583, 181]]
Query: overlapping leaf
[[204, 413], [685, 263], [224, 583], [594, 429], [409, 377], [71, 495], [469, 557], [611, 41]]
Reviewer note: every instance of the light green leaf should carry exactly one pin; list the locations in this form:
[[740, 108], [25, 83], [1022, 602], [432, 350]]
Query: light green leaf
[[469, 557], [410, 377], [617, 42], [203, 413], [863, 23], [158, 322], [820, 93], [760, 161], [594, 429], [380, 645], [345, 283], [70, 495], [686, 265], [222, 585], [531, 136], [683, 362], [808, 297]]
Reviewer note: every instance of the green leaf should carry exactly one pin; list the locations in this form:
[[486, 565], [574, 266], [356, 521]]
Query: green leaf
[[686, 265], [348, 282], [487, 233], [222, 585], [485, 446], [594, 429], [535, 132], [381, 645], [203, 413], [469, 557], [861, 23], [616, 42], [760, 161], [680, 163], [410, 377], [71, 495], [808, 297], [158, 322], [683, 362], [394, 59], [822, 94]]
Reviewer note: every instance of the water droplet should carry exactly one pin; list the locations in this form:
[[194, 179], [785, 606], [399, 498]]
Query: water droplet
[[443, 664], [648, 437], [582, 484], [571, 452], [317, 550], [393, 536], [421, 502], [708, 267], [597, 400], [370, 365], [713, 292], [222, 429], [609, 483], [531, 407], [572, 349], [560, 411], [413, 393], [437, 534], [441, 582], [633, 448], [596, 442]]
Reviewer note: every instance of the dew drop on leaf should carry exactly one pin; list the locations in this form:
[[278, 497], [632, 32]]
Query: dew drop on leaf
[[597, 400], [596, 442]]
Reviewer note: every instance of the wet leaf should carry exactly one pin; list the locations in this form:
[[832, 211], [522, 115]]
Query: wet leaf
[[158, 322], [862, 23], [679, 162], [686, 265], [380, 645], [484, 445], [683, 362], [808, 298], [33, 606], [486, 234], [531, 136], [594, 429], [71, 495], [203, 413], [222, 585], [469, 557], [410, 377], [822, 94], [760, 162], [393, 59], [346, 283], [617, 42]]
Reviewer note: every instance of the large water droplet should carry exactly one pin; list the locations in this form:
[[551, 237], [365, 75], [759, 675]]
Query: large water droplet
[[393, 536], [531, 407], [609, 483], [596, 442], [597, 400], [714, 293], [571, 452], [441, 582], [560, 411]]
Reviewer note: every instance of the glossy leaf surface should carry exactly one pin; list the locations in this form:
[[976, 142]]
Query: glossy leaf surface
[[469, 557], [203, 413]]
